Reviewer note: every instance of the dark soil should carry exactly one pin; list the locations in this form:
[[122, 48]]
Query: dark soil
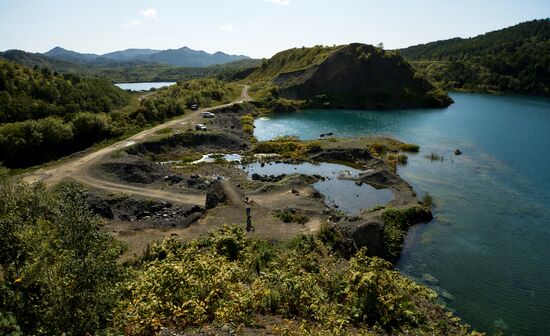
[[144, 213]]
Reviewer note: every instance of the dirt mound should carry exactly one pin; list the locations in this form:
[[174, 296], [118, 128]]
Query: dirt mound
[[352, 155], [200, 141], [380, 178], [144, 213], [215, 195], [133, 169]]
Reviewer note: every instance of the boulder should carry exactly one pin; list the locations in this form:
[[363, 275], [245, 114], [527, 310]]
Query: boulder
[[215, 195], [367, 233]]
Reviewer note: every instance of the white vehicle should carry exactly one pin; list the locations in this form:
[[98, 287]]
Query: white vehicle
[[208, 115], [200, 127]]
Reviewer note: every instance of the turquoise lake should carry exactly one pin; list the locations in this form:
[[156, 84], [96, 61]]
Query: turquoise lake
[[487, 251]]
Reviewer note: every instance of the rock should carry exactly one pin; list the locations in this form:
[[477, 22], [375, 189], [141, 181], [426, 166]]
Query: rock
[[430, 279], [367, 233], [215, 195], [173, 178], [337, 154], [101, 207], [458, 152]]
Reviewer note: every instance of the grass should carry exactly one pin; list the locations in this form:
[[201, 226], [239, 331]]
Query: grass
[[165, 131], [411, 148], [427, 201], [434, 157], [401, 159], [288, 146], [292, 216], [247, 122]]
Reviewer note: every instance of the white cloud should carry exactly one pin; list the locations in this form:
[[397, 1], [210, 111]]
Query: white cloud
[[150, 13], [227, 28], [131, 24], [279, 2]]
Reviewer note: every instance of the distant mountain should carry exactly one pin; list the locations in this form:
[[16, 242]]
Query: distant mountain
[[130, 54], [183, 57], [36, 59], [350, 76], [191, 58], [70, 56], [515, 59]]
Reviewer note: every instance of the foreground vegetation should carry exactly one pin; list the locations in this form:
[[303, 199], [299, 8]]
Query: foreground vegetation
[[514, 59], [60, 275], [45, 115]]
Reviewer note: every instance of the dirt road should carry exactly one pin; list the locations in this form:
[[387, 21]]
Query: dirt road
[[77, 168]]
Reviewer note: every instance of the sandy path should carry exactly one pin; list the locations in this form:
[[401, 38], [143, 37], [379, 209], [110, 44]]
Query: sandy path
[[77, 168]]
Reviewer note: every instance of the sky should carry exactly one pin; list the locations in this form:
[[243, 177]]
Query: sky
[[256, 28]]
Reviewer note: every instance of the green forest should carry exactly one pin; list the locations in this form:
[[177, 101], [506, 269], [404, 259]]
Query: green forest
[[60, 275], [45, 115], [514, 60]]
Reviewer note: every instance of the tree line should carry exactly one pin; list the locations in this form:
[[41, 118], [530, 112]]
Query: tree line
[[515, 59]]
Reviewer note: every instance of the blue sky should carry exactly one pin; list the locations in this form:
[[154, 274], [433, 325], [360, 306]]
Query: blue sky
[[258, 28]]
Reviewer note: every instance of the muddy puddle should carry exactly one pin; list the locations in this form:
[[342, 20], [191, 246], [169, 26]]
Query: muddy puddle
[[336, 185]]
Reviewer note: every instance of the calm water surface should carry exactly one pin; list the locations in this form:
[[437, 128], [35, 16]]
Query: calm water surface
[[143, 86], [487, 252]]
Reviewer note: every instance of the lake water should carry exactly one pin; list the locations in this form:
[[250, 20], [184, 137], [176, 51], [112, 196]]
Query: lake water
[[336, 186], [143, 86], [487, 252]]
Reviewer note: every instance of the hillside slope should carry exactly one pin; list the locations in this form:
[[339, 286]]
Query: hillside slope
[[514, 59], [352, 76]]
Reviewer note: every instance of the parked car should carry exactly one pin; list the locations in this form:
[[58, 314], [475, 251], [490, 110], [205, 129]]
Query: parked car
[[200, 127], [208, 115], [194, 107]]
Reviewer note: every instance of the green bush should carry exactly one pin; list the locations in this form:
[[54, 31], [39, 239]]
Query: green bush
[[66, 264]]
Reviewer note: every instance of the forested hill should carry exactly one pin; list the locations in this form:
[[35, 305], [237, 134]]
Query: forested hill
[[514, 59], [44, 115], [33, 94]]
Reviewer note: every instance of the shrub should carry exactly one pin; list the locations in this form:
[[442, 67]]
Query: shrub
[[201, 283]]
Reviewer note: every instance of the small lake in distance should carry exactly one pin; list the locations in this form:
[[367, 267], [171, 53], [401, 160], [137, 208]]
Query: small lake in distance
[[143, 86], [487, 251]]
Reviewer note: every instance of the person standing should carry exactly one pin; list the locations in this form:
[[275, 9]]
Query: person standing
[[249, 226]]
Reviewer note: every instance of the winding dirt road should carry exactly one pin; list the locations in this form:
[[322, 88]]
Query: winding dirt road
[[78, 167]]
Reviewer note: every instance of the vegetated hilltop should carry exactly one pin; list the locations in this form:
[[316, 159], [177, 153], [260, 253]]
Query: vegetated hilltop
[[350, 76], [514, 59]]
